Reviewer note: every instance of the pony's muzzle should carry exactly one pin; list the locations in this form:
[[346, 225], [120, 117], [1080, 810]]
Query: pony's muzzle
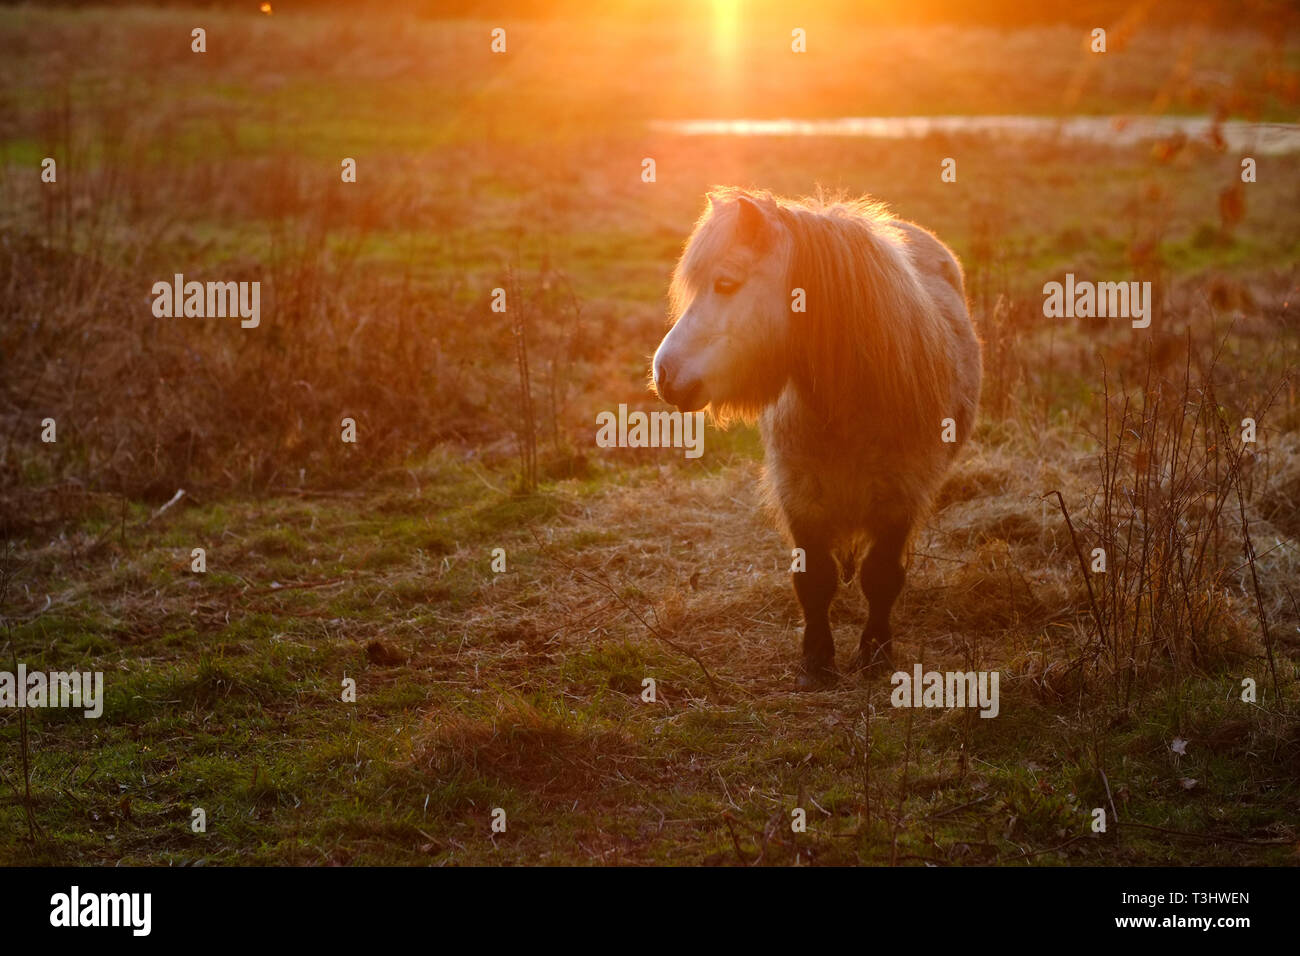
[[685, 393]]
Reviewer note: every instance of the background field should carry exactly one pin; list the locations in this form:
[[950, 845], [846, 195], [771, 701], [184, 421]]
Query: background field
[[522, 690]]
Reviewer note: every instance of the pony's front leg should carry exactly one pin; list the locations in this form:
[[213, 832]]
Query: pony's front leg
[[815, 588]]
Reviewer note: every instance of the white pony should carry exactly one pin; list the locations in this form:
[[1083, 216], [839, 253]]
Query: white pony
[[862, 398]]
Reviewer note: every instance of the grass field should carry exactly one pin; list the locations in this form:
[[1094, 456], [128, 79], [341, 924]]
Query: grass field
[[522, 690]]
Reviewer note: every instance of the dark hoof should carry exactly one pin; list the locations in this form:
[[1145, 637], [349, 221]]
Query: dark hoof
[[871, 661], [815, 677]]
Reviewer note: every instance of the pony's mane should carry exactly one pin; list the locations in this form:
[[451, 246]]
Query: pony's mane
[[871, 343]]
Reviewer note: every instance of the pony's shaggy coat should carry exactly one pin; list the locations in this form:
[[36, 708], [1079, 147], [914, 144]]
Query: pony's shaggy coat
[[851, 395]]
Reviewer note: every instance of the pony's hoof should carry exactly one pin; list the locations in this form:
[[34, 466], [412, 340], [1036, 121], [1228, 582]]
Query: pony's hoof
[[815, 677], [870, 662]]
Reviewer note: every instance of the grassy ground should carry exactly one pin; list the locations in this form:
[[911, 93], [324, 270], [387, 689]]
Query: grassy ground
[[522, 690]]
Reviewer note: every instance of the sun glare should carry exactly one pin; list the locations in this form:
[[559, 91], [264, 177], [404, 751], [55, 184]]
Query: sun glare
[[726, 33]]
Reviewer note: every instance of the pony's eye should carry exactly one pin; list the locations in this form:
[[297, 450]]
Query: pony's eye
[[725, 286]]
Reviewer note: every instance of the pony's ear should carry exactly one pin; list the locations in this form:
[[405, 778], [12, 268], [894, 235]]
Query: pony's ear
[[752, 225]]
